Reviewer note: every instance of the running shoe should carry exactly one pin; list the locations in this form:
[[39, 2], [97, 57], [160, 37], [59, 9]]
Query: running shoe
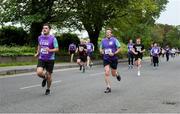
[[91, 65], [44, 80], [129, 67], [138, 73], [107, 90], [118, 76], [83, 69], [47, 92]]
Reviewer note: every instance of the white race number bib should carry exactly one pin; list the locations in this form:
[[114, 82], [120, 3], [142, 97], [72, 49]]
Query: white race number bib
[[44, 51], [107, 51], [156, 51], [88, 47]]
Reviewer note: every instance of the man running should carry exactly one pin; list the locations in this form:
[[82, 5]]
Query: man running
[[151, 58], [47, 46], [130, 54], [138, 53], [82, 52], [72, 50], [167, 49], [90, 49], [110, 47], [155, 51]]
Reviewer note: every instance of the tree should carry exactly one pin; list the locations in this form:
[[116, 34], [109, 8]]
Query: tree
[[95, 15], [140, 18], [34, 13], [123, 15]]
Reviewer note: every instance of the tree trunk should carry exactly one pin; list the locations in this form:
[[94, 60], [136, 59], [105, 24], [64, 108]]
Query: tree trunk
[[94, 38], [35, 31]]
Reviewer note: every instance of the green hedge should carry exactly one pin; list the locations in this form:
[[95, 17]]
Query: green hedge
[[26, 50], [67, 38], [10, 35], [16, 50]]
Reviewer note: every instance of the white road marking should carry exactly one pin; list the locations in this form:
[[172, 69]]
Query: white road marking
[[38, 85]]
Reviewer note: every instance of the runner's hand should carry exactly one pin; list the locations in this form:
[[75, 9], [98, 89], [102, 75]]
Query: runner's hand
[[36, 54], [48, 50], [111, 54], [102, 52]]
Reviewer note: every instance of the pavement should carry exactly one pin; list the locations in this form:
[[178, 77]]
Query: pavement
[[155, 91], [31, 68]]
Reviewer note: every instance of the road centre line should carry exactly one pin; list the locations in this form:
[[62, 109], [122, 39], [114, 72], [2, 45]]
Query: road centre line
[[38, 85]]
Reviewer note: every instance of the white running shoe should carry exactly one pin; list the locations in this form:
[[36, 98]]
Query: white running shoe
[[138, 73]]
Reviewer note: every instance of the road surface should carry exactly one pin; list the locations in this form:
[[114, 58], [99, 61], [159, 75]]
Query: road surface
[[155, 91]]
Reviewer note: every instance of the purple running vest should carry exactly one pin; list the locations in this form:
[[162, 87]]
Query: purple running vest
[[46, 42], [109, 45]]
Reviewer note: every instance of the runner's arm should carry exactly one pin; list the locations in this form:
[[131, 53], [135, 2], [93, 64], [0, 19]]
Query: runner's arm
[[37, 52], [143, 49], [133, 50], [56, 47], [118, 45], [101, 49]]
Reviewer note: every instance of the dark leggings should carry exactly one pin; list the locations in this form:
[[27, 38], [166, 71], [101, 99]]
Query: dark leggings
[[155, 61], [167, 56], [130, 58]]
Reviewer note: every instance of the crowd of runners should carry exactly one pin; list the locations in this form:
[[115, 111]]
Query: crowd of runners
[[109, 48]]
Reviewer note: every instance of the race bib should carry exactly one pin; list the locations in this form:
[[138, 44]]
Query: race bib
[[81, 48], [138, 49], [156, 51], [88, 47], [44, 51], [107, 51]]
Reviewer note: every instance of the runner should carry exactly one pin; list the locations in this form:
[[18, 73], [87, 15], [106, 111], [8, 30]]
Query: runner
[[173, 52], [90, 49], [151, 58], [130, 54], [155, 51], [167, 49], [110, 47], [138, 51], [72, 50], [47, 46], [163, 52], [82, 52]]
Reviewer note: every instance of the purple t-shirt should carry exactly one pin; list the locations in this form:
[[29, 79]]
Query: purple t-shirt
[[155, 51], [130, 47], [46, 42], [89, 47], [110, 45]]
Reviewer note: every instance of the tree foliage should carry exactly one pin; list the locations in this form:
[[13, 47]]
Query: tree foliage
[[129, 18]]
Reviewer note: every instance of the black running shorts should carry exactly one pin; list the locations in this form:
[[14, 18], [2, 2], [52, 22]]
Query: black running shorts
[[48, 65], [113, 63], [138, 56], [83, 58]]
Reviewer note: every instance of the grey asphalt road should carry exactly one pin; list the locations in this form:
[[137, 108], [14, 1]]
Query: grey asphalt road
[[155, 91]]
